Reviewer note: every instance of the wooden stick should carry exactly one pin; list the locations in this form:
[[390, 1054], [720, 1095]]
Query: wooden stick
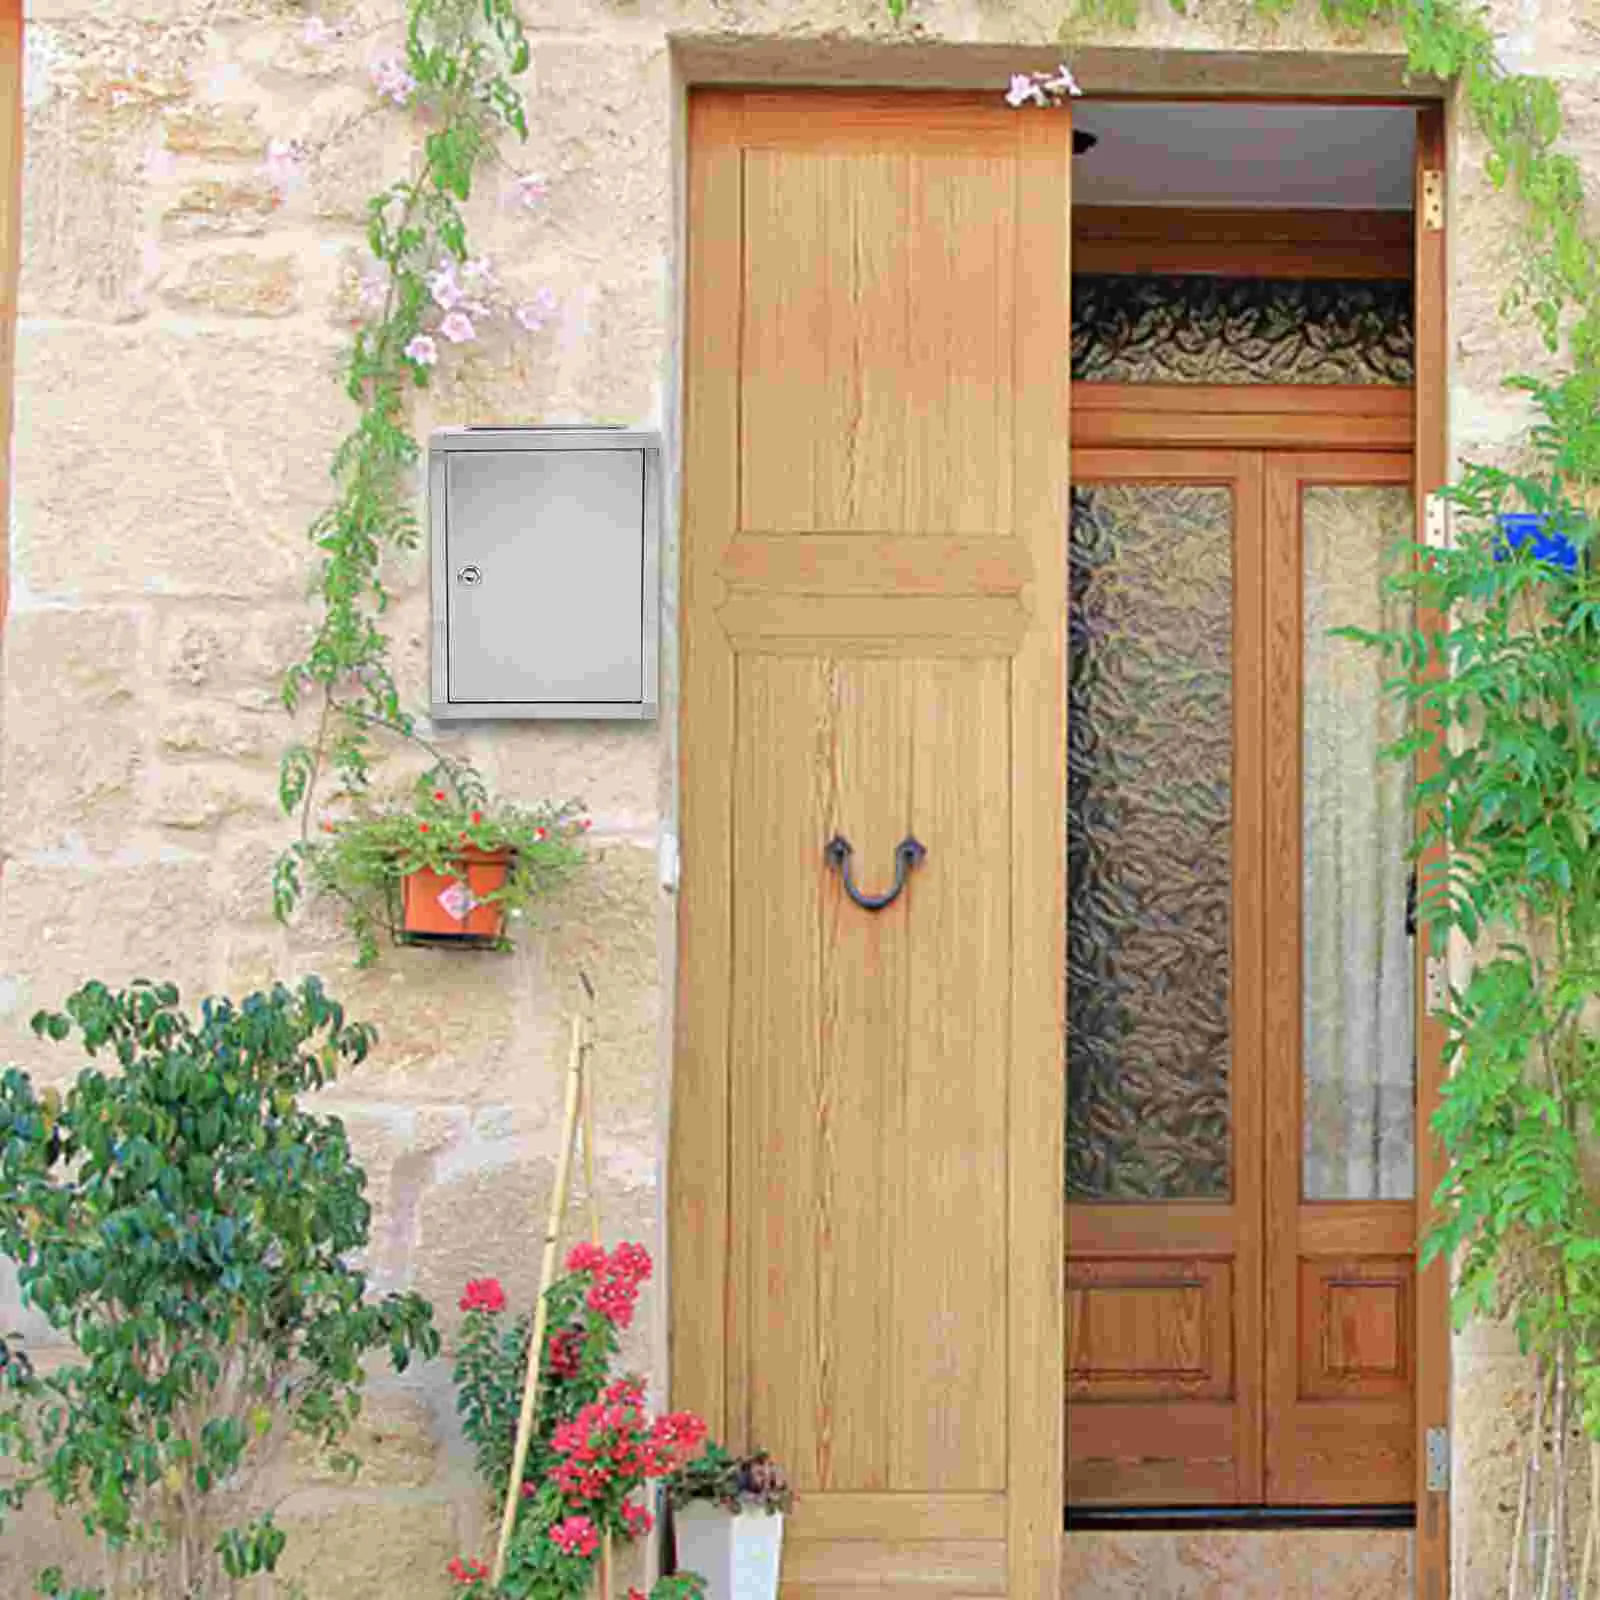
[[552, 1234], [586, 1041]]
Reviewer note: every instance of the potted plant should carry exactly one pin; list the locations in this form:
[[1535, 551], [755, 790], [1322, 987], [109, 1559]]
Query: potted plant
[[446, 869], [727, 1520]]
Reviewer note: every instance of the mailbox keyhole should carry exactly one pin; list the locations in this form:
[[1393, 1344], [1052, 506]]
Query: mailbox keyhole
[[470, 575]]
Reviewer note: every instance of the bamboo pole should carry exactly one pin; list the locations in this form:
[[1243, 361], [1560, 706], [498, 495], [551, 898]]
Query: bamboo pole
[[552, 1235], [586, 1043]]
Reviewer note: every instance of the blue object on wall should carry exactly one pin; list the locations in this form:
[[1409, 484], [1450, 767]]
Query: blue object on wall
[[1518, 527]]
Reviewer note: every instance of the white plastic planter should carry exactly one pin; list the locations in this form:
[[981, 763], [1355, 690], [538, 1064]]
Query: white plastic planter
[[737, 1555]]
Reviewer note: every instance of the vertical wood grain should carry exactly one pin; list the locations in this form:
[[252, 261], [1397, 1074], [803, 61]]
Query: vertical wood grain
[[1247, 957], [1433, 1284], [1042, 335], [1281, 1008], [778, 1268], [885, 278], [863, 1226], [958, 388], [949, 1415], [698, 1136]]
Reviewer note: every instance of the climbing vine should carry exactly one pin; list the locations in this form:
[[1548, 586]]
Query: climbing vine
[[423, 294]]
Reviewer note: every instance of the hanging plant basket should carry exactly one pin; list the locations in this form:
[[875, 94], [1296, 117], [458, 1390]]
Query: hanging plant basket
[[456, 909]]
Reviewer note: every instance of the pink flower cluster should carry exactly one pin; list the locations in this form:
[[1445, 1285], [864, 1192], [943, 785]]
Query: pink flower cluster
[[466, 295], [393, 82], [615, 1279], [610, 1448]]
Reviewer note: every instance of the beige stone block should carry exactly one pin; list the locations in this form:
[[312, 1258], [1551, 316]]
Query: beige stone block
[[395, 1438], [399, 1149], [171, 464], [227, 657], [215, 130], [1491, 1416], [222, 206], [491, 1224], [61, 926], [600, 122], [606, 924], [197, 797], [239, 732], [74, 726], [83, 215], [238, 284], [368, 1547], [353, 165]]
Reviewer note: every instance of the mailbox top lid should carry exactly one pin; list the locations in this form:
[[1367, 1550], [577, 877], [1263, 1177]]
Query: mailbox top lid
[[543, 436]]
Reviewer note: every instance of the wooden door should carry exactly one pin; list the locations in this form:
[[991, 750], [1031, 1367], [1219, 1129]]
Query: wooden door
[[1164, 1225], [1241, 1138], [867, 1111], [1340, 998]]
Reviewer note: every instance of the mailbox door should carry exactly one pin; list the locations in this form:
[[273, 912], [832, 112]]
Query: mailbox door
[[545, 576]]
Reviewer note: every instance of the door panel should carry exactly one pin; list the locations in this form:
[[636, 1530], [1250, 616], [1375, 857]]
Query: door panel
[[1164, 1354], [1241, 1300], [1341, 1303], [867, 1105]]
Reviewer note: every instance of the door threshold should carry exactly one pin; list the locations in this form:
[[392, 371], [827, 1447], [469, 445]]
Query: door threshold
[[1154, 1519]]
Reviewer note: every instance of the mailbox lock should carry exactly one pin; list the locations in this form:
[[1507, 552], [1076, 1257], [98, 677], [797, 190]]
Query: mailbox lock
[[469, 576]]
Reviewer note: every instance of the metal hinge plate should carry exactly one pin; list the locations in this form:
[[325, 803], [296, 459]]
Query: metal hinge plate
[[1436, 522], [1433, 200], [1435, 984], [1438, 1460]]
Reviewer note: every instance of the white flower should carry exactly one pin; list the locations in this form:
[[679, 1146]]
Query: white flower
[[1040, 89], [422, 350], [533, 188], [533, 315], [457, 327], [442, 285], [373, 290], [317, 33], [283, 160], [1024, 91], [479, 270], [1063, 82], [393, 82]]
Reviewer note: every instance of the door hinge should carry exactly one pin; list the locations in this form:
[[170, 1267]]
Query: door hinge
[[1438, 1460], [1433, 200], [1435, 985], [1436, 522]]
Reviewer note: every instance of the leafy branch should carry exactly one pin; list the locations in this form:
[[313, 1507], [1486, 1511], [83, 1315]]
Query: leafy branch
[[460, 59]]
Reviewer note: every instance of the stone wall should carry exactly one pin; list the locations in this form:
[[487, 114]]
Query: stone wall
[[181, 319]]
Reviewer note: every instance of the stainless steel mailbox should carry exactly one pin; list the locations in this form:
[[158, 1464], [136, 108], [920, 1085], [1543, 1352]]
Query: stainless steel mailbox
[[546, 571]]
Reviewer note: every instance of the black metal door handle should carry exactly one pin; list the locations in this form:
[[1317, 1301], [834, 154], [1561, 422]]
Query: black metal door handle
[[907, 854]]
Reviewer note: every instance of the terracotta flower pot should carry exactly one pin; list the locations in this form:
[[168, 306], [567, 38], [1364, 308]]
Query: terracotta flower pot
[[440, 908]]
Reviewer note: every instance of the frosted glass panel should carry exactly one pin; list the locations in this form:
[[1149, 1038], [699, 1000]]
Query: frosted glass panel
[[1149, 816], [1193, 329], [1359, 1055]]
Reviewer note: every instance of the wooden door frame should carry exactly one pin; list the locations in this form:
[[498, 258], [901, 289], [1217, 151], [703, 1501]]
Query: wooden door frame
[[1111, 415], [697, 1204], [1433, 1327]]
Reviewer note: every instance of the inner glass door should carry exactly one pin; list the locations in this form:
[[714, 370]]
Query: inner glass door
[[1240, 1066]]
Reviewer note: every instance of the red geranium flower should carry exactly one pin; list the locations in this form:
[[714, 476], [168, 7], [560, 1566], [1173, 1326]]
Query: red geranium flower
[[576, 1536], [465, 1572], [484, 1294]]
